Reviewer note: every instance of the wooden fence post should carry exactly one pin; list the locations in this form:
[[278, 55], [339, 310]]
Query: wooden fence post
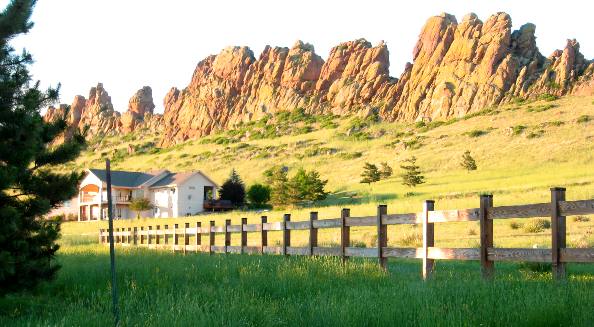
[[227, 234], [175, 238], [313, 232], [286, 233], [198, 240], [382, 235], [211, 236], [345, 233], [141, 235], [186, 238], [100, 235], [264, 234], [558, 232], [129, 237], [135, 236], [116, 236], [428, 238], [243, 235], [149, 236], [486, 224], [158, 237]]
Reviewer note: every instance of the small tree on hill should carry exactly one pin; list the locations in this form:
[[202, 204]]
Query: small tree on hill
[[306, 186], [278, 181], [30, 185], [411, 176], [468, 162], [385, 170], [233, 189], [258, 195], [140, 205], [370, 173]]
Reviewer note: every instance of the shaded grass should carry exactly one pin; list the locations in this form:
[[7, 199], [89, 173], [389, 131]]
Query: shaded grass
[[159, 288]]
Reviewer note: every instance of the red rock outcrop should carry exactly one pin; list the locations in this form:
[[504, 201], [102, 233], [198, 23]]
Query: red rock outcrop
[[457, 68]]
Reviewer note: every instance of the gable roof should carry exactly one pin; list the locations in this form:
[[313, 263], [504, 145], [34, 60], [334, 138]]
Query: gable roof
[[130, 179], [179, 178]]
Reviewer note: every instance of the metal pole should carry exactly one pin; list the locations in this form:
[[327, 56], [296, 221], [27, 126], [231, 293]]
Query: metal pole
[[114, 286]]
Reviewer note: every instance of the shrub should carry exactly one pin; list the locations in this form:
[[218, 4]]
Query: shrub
[[258, 194], [476, 133], [535, 134], [370, 174], [351, 155], [583, 119], [541, 108], [515, 225], [412, 144], [581, 219], [537, 225], [411, 175], [358, 244], [517, 130], [468, 162], [547, 97], [385, 170]]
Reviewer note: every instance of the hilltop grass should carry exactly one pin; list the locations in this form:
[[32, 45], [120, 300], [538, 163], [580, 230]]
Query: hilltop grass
[[159, 288]]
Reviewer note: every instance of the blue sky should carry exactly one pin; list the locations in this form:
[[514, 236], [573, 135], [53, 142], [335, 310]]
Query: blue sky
[[126, 44]]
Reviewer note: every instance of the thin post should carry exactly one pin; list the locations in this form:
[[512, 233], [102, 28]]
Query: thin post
[[129, 237], [175, 238], [150, 234], [313, 232], [114, 285], [141, 235], [135, 236], [198, 239], [264, 234], [227, 235], [165, 240], [345, 233], [100, 235], [558, 232], [243, 234], [158, 236], [382, 235], [186, 238], [428, 238], [211, 236], [486, 224], [286, 233]]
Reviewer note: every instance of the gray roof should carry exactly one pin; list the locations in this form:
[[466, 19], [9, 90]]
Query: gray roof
[[173, 179], [125, 178]]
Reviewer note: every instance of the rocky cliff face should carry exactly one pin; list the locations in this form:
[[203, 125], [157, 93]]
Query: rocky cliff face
[[457, 68]]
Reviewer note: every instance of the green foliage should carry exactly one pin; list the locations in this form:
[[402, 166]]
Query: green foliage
[[28, 187], [541, 108], [139, 205], [517, 130], [537, 225], [306, 186], [411, 175], [350, 155], [258, 195], [476, 133], [535, 134], [547, 97], [277, 179], [385, 170], [468, 162], [581, 219], [515, 225], [583, 119], [233, 189], [370, 174]]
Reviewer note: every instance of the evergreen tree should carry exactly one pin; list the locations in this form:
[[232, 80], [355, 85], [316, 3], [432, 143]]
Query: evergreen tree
[[385, 170], [468, 162], [306, 186], [233, 190], [411, 176], [370, 173], [28, 186], [278, 181]]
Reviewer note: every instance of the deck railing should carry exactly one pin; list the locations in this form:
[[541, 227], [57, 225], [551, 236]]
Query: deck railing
[[558, 209]]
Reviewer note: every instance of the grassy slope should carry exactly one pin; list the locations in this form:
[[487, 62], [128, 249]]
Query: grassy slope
[[159, 288], [518, 169]]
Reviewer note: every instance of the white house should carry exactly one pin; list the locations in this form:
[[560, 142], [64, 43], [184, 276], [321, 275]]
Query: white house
[[172, 194]]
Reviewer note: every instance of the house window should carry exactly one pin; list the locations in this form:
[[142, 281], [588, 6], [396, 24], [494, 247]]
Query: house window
[[192, 187], [208, 192], [119, 212], [189, 196]]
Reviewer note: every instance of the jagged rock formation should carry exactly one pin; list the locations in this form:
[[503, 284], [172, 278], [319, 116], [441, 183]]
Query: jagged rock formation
[[457, 68]]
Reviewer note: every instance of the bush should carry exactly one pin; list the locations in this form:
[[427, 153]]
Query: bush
[[515, 225], [258, 195], [581, 219], [583, 119], [541, 108], [537, 225], [351, 155], [535, 134], [517, 130], [547, 97], [476, 133]]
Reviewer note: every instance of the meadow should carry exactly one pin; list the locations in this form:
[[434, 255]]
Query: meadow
[[160, 288]]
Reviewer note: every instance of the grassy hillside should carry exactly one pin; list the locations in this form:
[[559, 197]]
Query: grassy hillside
[[521, 150]]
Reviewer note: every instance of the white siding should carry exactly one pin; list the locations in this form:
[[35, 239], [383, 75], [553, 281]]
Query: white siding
[[164, 200], [191, 195]]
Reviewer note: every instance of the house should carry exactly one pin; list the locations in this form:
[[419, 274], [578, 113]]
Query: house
[[171, 194]]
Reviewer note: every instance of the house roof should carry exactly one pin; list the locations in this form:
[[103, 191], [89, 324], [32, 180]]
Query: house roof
[[159, 178], [130, 179]]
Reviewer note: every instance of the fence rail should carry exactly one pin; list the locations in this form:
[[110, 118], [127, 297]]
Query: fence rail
[[558, 209]]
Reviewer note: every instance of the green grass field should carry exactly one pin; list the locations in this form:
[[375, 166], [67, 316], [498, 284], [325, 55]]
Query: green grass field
[[159, 288]]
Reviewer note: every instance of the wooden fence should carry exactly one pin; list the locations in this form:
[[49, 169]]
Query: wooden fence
[[558, 209]]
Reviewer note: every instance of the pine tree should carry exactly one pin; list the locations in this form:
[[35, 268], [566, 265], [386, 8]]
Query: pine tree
[[411, 176], [28, 186], [385, 170], [278, 181], [233, 189], [306, 186], [370, 173], [468, 162]]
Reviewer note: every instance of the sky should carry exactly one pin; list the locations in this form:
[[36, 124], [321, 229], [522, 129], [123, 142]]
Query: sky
[[127, 44]]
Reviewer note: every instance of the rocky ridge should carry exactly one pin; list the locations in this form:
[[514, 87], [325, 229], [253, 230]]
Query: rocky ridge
[[457, 68]]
